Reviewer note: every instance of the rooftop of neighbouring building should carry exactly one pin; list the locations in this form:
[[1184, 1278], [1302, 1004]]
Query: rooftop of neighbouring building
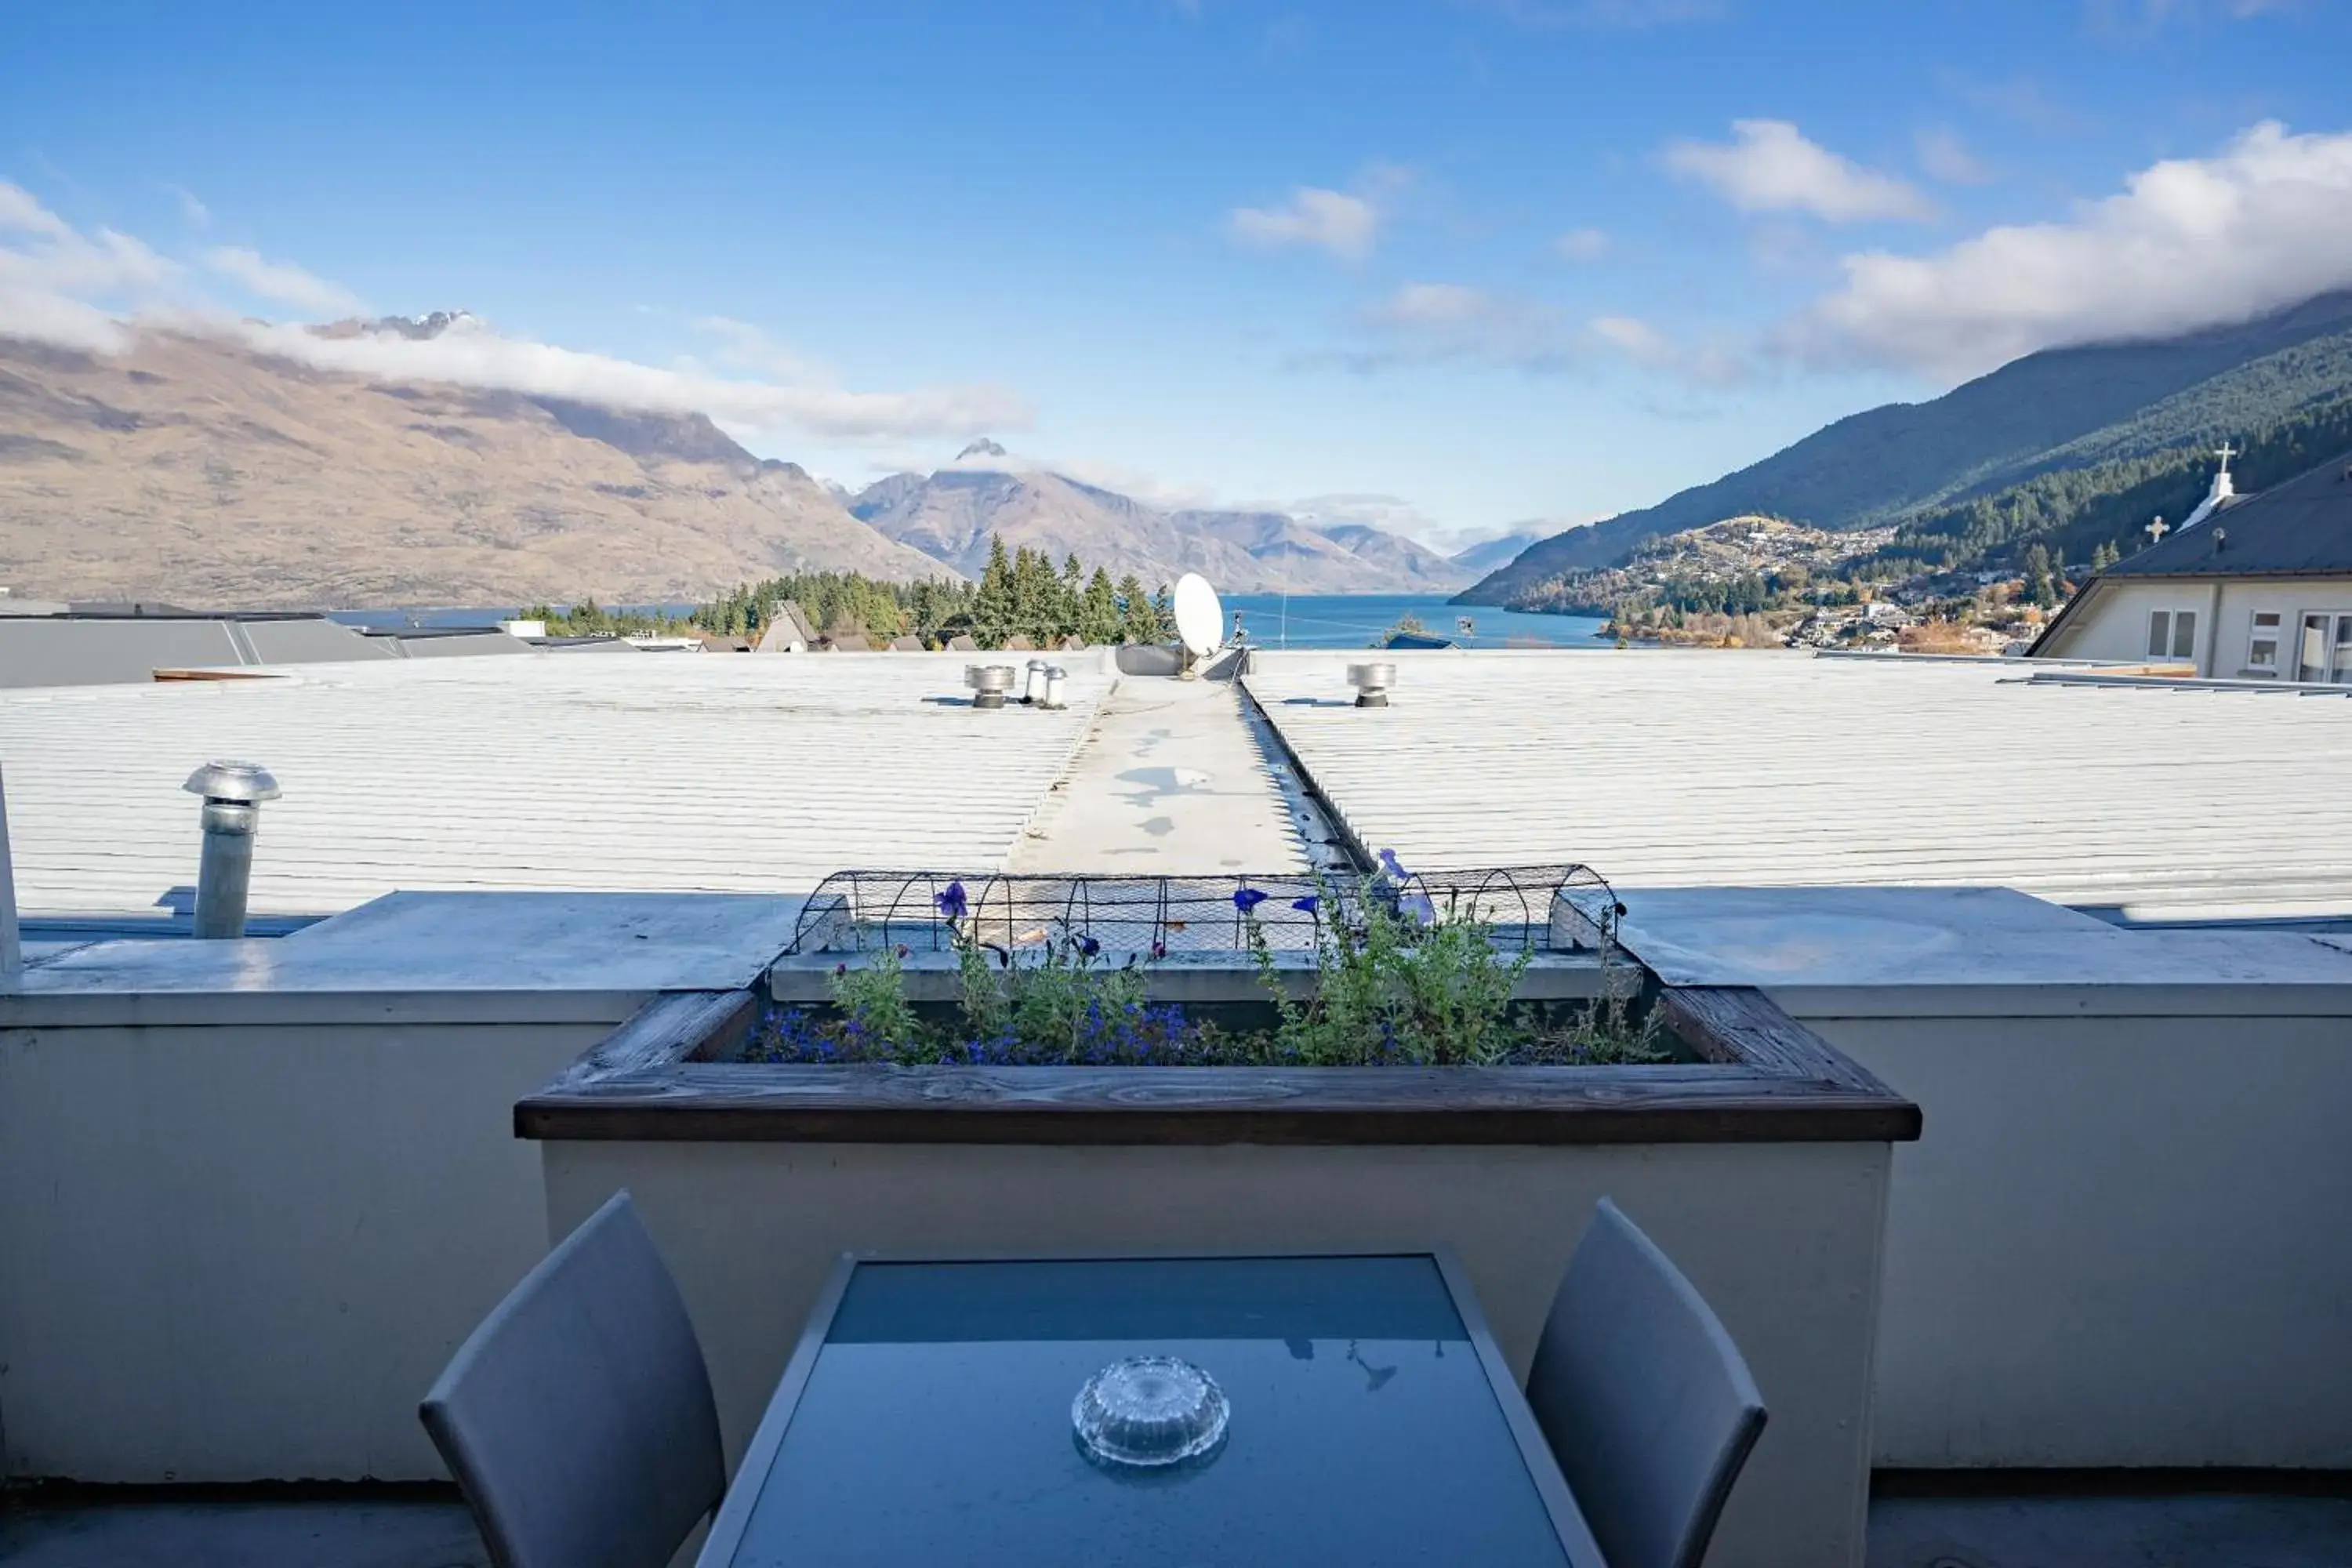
[[691, 773], [44, 646], [2148, 801], [2144, 802]]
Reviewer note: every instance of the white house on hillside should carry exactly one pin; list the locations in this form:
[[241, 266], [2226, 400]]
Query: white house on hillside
[[2250, 588]]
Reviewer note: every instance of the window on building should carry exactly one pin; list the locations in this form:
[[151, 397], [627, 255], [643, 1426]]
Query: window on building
[[2322, 649], [2263, 645], [2172, 634]]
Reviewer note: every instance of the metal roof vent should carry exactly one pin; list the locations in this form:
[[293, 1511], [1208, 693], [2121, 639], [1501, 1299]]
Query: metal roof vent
[[989, 683], [1034, 690], [233, 794], [1371, 682], [1058, 681]]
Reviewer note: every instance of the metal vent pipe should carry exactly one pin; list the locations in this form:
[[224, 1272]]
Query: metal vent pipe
[[1057, 681], [989, 683], [233, 794], [1371, 682], [1034, 691]]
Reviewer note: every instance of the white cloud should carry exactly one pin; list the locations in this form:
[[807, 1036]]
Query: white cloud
[[281, 282], [1583, 245], [740, 345], [1704, 364], [1636, 339], [56, 285], [1345, 225], [1946, 158], [1769, 166], [1422, 323], [1447, 305], [20, 214], [98, 292], [472, 354], [192, 211], [2188, 243]]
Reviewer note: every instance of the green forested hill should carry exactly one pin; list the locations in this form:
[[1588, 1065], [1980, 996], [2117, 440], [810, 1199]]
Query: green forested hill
[[2102, 407], [2073, 511]]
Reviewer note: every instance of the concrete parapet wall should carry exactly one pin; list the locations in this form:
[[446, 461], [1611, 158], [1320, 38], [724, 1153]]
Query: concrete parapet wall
[[243, 1252], [2120, 1240]]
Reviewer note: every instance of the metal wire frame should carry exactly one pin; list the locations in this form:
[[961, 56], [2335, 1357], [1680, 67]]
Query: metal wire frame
[[1160, 916]]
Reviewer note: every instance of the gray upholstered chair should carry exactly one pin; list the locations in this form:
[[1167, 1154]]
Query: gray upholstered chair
[[1644, 1399], [578, 1417]]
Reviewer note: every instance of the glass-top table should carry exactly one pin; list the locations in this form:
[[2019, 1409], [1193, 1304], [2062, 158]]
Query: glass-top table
[[927, 1417]]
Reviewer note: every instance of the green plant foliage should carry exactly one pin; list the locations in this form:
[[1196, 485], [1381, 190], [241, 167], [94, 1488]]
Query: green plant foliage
[[874, 997], [1399, 986], [1020, 594]]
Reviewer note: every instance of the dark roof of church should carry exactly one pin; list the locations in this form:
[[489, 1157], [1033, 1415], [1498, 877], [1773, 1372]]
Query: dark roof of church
[[2300, 527]]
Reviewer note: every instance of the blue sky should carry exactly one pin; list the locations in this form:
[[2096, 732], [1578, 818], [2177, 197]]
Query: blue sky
[[1455, 263]]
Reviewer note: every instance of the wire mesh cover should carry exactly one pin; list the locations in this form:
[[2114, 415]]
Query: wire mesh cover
[[924, 910]]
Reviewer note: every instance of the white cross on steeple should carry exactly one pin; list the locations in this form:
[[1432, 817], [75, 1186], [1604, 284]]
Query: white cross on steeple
[[2155, 532]]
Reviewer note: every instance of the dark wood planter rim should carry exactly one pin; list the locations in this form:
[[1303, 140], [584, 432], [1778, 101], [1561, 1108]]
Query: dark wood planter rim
[[1763, 1077]]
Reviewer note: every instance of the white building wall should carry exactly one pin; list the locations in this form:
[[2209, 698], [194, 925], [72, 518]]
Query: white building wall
[[2114, 624]]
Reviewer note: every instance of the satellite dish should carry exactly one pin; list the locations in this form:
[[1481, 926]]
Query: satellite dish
[[1199, 619]]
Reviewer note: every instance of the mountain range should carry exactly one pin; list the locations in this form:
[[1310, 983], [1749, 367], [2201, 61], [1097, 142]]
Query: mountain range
[[2060, 409], [1489, 553], [197, 469], [192, 469], [950, 514]]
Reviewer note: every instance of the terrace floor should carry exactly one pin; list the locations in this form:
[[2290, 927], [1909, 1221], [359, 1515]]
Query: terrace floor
[[414, 1527]]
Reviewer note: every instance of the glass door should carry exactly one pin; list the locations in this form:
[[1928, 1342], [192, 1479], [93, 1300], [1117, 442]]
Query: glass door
[[2324, 648]]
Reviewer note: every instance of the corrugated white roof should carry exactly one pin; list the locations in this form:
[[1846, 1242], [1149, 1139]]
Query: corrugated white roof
[[1754, 769], [677, 772]]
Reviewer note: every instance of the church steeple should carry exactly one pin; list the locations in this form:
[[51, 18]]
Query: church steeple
[[2223, 493]]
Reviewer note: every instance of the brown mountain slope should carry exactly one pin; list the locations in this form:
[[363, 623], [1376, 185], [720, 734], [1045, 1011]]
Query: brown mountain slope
[[195, 470], [950, 515]]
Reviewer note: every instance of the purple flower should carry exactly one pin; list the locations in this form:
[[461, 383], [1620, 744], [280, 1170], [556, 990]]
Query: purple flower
[[954, 902], [1158, 948], [1417, 907], [1088, 946], [1248, 899], [1389, 864], [1307, 905]]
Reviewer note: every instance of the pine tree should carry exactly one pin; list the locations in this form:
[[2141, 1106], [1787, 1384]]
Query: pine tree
[[1098, 616], [2039, 585], [994, 607], [1135, 611]]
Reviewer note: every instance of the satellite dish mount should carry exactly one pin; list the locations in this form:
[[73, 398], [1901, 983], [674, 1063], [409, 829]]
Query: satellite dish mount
[[1200, 622]]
